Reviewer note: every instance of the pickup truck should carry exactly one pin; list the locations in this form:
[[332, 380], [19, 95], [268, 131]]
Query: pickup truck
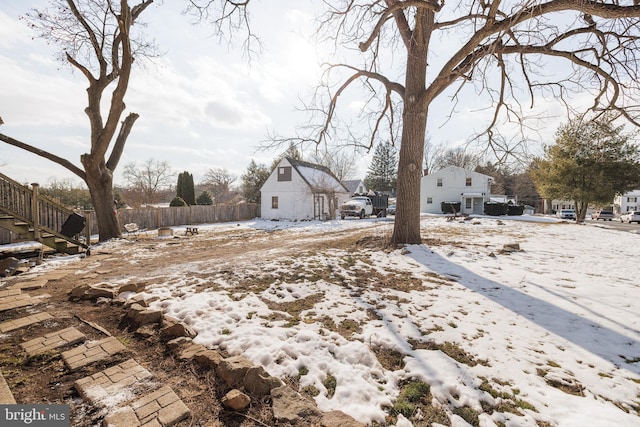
[[363, 206]]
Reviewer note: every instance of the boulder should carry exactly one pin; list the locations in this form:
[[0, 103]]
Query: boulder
[[138, 315], [289, 405], [233, 369], [236, 400], [173, 328], [208, 358], [259, 383], [339, 419], [136, 299], [132, 287], [190, 350]]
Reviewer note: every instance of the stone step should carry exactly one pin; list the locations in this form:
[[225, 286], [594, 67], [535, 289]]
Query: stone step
[[6, 397], [159, 408], [111, 381], [30, 285], [53, 340], [11, 325], [91, 352]]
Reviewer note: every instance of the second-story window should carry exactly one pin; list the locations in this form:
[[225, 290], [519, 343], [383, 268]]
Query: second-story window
[[468, 182], [284, 173]]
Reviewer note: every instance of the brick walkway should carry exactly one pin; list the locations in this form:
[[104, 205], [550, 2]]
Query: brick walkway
[[30, 285], [91, 352], [53, 340], [110, 381], [160, 408], [14, 298], [11, 325]]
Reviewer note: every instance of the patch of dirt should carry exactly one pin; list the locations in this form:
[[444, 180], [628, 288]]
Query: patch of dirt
[[44, 379]]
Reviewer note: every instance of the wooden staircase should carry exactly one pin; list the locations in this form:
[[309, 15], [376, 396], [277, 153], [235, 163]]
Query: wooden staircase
[[34, 217]]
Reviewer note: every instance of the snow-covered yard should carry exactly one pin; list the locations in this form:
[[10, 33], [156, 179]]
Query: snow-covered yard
[[548, 335]]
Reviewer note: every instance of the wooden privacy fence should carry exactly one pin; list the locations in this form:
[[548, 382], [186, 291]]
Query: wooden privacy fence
[[153, 218]]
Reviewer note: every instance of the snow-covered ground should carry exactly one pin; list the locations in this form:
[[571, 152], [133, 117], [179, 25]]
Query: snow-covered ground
[[562, 311]]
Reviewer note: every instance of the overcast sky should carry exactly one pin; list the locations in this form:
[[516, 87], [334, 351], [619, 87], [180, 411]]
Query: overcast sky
[[202, 105]]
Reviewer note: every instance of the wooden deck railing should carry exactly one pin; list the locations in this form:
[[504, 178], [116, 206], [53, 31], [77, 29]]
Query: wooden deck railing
[[26, 204]]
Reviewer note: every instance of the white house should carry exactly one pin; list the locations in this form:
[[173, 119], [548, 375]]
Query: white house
[[629, 201], [355, 186], [455, 184], [298, 190]]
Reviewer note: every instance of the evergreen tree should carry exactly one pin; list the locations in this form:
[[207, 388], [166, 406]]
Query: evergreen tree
[[292, 152], [591, 162], [185, 188], [205, 198], [252, 181], [383, 171]]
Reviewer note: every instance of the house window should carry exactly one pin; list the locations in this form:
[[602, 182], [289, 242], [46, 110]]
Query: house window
[[468, 182], [429, 200], [284, 173], [632, 199], [439, 182], [274, 202], [468, 203]]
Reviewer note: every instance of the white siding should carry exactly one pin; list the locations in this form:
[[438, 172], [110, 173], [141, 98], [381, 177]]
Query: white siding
[[295, 198], [453, 188], [629, 201]]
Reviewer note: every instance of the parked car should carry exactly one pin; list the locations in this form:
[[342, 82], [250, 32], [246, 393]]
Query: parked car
[[603, 214], [391, 210], [566, 214], [631, 216]]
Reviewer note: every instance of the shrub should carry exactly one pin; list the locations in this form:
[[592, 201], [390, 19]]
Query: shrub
[[204, 198], [450, 207], [177, 202]]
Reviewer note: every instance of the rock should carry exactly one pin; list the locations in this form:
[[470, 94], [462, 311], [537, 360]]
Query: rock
[[190, 351], [145, 331], [514, 247], [176, 343], [132, 287], [136, 299], [139, 317], [101, 290], [236, 400], [510, 248], [233, 369], [289, 405], [208, 358], [177, 330], [8, 266], [78, 291], [173, 328], [259, 383], [339, 419]]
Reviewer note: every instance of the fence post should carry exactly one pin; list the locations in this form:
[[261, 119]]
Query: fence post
[[87, 227], [35, 211]]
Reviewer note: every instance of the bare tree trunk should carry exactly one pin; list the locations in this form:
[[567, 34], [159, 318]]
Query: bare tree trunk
[[100, 182], [414, 123]]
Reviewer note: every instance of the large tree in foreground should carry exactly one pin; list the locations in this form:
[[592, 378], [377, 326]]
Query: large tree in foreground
[[101, 41], [501, 50], [591, 162]]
